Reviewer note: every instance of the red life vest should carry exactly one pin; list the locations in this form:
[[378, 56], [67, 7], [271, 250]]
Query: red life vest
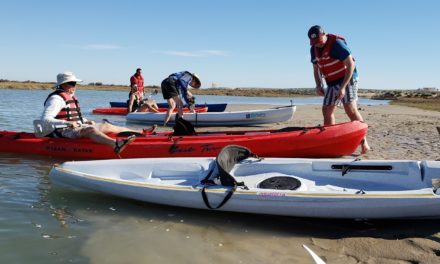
[[71, 112], [330, 68], [139, 81]]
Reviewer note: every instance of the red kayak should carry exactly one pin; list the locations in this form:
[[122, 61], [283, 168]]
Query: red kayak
[[309, 142], [124, 111]]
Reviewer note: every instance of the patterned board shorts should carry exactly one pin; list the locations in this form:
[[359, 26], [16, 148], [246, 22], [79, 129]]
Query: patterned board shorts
[[350, 95], [73, 132]]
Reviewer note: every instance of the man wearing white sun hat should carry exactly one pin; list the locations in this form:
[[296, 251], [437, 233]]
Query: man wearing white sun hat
[[62, 117]]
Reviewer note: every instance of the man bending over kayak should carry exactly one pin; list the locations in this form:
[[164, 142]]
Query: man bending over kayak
[[174, 87], [62, 117]]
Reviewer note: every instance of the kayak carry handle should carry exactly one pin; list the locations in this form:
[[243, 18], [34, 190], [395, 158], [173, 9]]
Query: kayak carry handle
[[345, 168]]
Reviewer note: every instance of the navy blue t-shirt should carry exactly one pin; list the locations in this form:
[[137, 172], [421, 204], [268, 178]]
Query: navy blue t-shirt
[[339, 51]]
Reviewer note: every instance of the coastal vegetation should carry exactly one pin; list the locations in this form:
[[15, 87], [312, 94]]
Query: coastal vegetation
[[429, 100], [263, 92], [432, 104]]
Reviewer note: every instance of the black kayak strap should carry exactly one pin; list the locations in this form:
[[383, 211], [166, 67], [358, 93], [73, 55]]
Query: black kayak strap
[[207, 181], [227, 197]]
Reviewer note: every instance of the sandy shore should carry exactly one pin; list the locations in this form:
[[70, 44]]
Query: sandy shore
[[395, 132]]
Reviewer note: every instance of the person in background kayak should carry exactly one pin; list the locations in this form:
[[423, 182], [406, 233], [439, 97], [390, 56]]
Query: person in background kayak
[[136, 88], [174, 87], [138, 80], [62, 117], [332, 61], [136, 103]]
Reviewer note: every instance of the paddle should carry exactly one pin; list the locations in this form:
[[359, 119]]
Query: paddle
[[38, 128], [315, 257], [149, 96]]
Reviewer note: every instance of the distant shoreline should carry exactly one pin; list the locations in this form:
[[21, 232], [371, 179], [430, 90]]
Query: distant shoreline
[[258, 92], [412, 98]]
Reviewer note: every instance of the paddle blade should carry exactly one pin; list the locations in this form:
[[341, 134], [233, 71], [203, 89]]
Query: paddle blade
[[315, 257]]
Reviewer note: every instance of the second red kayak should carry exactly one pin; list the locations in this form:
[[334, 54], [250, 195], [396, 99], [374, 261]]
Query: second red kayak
[[306, 142], [124, 111]]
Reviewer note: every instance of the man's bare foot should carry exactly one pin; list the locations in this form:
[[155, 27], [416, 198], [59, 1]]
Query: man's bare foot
[[364, 146], [150, 131]]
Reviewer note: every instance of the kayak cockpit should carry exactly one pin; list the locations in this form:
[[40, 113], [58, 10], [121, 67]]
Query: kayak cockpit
[[178, 171]]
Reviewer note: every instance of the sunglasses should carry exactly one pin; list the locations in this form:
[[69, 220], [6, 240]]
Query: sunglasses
[[71, 83]]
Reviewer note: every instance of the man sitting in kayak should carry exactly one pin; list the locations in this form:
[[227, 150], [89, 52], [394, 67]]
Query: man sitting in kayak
[[174, 87], [62, 117], [136, 103]]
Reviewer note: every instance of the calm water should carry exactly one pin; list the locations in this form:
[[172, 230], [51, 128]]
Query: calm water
[[27, 105], [40, 223]]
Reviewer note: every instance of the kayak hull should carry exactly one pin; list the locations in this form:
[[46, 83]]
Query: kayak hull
[[233, 118], [211, 107], [124, 111], [404, 191], [329, 141]]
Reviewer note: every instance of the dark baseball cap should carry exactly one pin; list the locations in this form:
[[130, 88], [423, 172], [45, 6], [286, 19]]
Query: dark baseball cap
[[315, 34]]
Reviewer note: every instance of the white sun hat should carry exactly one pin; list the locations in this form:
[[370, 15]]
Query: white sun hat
[[197, 78], [66, 77]]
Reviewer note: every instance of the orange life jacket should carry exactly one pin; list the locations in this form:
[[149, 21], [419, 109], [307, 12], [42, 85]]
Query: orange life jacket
[[330, 68], [71, 112]]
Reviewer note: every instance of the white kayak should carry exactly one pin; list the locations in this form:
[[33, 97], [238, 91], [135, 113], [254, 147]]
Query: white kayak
[[326, 188], [232, 118]]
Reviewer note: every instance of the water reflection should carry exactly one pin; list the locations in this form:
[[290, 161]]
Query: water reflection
[[29, 232], [131, 231]]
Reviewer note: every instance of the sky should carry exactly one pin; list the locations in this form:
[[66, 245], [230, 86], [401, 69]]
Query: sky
[[228, 43]]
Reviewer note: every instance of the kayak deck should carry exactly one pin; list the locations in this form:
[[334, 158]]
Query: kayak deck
[[405, 190]]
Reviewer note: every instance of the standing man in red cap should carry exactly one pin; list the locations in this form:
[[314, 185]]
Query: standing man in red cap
[[333, 62]]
